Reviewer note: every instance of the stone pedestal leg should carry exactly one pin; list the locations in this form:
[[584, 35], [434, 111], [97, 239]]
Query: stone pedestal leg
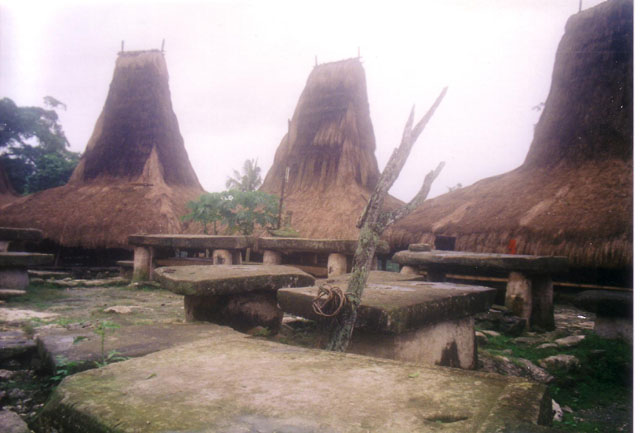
[[222, 257], [374, 263], [14, 278], [409, 270], [4, 246], [336, 265], [271, 257], [236, 257], [519, 296], [142, 263], [542, 308]]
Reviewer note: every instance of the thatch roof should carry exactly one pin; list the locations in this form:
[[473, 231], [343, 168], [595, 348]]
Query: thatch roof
[[134, 176], [573, 195], [330, 152]]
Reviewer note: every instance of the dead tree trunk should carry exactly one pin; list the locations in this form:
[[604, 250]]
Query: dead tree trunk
[[374, 221]]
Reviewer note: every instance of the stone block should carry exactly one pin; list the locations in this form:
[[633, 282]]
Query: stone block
[[227, 280], [336, 265], [238, 383]]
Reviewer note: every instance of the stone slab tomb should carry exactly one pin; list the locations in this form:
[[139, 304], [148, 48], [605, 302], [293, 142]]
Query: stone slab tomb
[[614, 312], [235, 383], [338, 250], [414, 321], [150, 251], [14, 265], [529, 287], [242, 296]]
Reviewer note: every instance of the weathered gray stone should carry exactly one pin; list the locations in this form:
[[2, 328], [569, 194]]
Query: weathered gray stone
[[467, 262], [51, 275], [570, 341], [547, 346], [325, 246], [448, 343], [420, 247], [14, 279], [232, 279], [379, 277], [18, 234], [241, 311], [491, 333], [14, 344], [614, 312], [336, 265], [24, 260], [241, 384], [562, 362], [222, 257], [192, 241], [6, 374], [10, 422], [396, 307], [142, 263], [271, 257], [11, 293], [79, 349], [606, 303]]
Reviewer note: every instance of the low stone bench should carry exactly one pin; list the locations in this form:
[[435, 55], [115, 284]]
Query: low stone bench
[[614, 312], [13, 268], [529, 287], [227, 250], [413, 321], [242, 296], [10, 235], [338, 250]]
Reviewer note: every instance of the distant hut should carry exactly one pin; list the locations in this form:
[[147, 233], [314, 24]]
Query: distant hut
[[573, 195], [329, 151], [134, 176]]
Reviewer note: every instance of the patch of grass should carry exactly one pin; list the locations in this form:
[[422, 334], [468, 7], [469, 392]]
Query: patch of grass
[[604, 375], [39, 296]]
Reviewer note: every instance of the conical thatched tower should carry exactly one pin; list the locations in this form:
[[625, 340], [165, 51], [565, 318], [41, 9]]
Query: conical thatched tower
[[573, 195], [329, 151], [134, 176]]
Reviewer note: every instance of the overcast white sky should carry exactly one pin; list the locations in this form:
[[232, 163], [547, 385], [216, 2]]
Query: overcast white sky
[[237, 68]]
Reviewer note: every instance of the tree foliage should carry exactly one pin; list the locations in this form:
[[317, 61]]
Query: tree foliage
[[238, 211], [249, 180], [33, 146]]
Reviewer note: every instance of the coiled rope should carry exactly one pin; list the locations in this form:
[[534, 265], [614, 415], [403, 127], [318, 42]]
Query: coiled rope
[[329, 301]]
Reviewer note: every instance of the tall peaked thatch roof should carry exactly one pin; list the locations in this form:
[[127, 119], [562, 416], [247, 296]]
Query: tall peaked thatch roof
[[134, 176], [329, 150], [573, 195]]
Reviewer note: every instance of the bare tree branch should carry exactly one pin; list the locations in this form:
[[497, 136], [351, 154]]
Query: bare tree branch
[[373, 222]]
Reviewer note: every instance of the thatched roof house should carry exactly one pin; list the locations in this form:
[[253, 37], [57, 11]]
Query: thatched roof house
[[573, 194], [134, 176], [330, 152]]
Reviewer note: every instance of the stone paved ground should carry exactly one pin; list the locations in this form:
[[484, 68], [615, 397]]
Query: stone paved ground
[[83, 307]]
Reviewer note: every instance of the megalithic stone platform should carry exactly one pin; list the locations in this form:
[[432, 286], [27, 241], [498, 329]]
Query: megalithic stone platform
[[235, 383]]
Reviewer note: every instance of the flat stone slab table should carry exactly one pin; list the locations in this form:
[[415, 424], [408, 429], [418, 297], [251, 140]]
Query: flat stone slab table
[[236, 384], [242, 296], [12, 234], [529, 287], [227, 250], [614, 312], [337, 249], [414, 321], [13, 268]]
